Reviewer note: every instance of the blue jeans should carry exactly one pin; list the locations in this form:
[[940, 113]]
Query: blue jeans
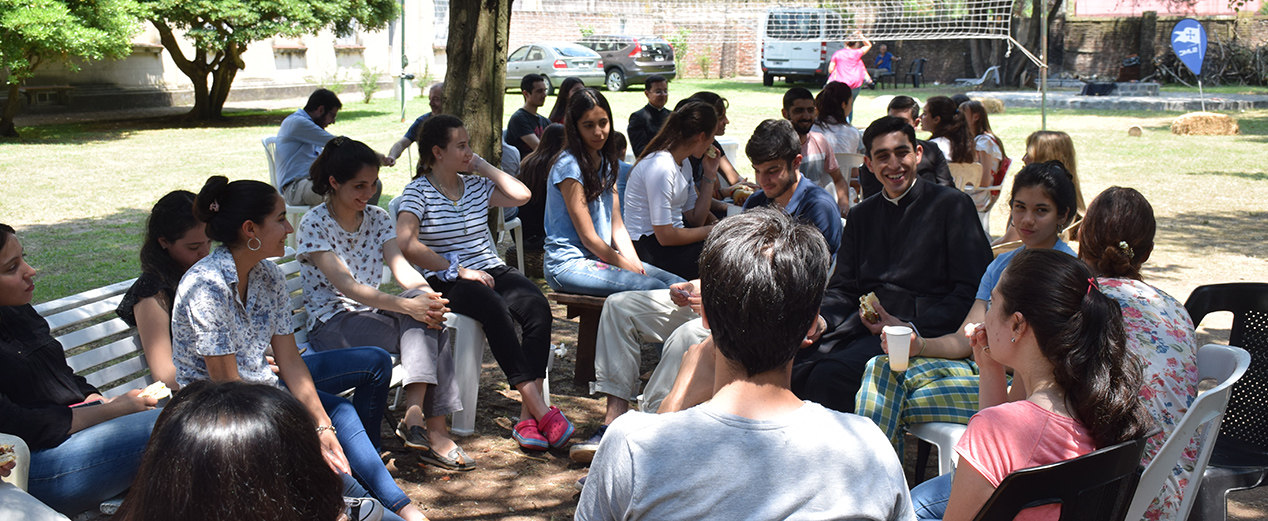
[[366, 369], [362, 456], [929, 499], [600, 279], [93, 465]]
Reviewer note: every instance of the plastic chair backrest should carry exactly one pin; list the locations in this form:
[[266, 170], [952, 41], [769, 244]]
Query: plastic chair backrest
[[1226, 365], [1246, 419], [1097, 486], [270, 153], [22, 469], [965, 173], [917, 67]]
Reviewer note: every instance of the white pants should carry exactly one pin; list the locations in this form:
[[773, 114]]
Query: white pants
[[687, 335], [628, 320]]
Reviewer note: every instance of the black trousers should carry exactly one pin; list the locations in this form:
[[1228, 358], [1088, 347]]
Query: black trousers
[[682, 260], [832, 379], [512, 299]]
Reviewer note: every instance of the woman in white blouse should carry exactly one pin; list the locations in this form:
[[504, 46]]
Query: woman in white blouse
[[232, 306], [343, 245]]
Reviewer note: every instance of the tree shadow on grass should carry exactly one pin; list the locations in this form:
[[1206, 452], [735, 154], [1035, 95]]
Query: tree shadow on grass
[[123, 127], [1204, 233], [80, 254], [1252, 176]]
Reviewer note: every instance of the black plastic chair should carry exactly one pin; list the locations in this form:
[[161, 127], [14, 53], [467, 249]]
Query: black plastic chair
[[1096, 486], [917, 72], [1240, 457]]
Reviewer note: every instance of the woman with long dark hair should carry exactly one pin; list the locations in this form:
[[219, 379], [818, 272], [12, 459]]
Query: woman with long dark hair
[[668, 219], [947, 129], [1052, 145], [570, 86], [344, 244], [442, 226], [1116, 239], [233, 306], [534, 172], [85, 448], [1074, 389], [588, 250], [174, 241], [269, 468]]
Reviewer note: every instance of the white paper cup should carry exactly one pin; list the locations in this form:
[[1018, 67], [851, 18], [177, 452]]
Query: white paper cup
[[899, 340]]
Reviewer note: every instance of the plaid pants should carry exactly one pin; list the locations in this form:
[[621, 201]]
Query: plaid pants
[[931, 390]]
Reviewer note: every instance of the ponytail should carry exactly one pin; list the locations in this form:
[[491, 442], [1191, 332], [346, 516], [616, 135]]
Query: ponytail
[[224, 206], [687, 121], [951, 125], [1080, 331], [1117, 234]]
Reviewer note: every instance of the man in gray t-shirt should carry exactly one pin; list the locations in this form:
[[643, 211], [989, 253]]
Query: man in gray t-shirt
[[755, 451]]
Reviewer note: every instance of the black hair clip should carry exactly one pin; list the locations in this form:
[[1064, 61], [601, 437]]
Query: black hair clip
[[338, 141]]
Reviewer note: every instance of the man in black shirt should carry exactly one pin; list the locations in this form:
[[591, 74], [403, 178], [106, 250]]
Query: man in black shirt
[[645, 123], [918, 245], [933, 164], [524, 130]]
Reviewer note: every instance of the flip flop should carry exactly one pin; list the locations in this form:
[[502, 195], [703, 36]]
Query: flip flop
[[457, 459]]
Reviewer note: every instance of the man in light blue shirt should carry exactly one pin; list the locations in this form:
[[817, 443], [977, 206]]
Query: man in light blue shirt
[[299, 142]]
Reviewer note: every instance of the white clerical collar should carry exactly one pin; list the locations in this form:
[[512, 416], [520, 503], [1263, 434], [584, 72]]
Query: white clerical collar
[[900, 197]]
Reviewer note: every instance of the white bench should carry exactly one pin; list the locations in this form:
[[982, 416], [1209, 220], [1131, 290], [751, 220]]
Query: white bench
[[103, 349]]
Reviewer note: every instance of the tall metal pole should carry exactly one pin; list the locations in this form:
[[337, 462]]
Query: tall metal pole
[[404, 61], [1043, 68]]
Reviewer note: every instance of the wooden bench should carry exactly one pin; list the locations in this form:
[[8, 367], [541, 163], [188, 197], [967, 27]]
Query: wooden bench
[[589, 309]]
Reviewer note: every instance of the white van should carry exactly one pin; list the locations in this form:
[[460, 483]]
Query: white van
[[798, 42]]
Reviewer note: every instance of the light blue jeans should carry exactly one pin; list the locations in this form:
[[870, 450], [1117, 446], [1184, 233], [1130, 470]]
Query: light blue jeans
[[929, 499], [93, 465], [600, 279], [363, 458], [366, 369]]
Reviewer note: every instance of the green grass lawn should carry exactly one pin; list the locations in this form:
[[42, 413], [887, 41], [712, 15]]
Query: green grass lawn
[[79, 193]]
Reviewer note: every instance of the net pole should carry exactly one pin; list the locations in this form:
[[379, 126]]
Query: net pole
[[1043, 67]]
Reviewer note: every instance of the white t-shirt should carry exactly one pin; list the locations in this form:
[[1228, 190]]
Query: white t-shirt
[[361, 251], [658, 192], [944, 145], [460, 227], [845, 139], [811, 463]]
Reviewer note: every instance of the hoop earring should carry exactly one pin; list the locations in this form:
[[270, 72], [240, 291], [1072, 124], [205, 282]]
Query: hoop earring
[[258, 244]]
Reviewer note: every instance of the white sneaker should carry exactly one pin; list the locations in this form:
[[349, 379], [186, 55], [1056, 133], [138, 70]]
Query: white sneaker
[[363, 509]]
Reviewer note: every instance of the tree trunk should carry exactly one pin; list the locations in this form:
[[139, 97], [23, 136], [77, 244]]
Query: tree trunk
[[197, 69], [230, 62], [7, 128], [475, 78]]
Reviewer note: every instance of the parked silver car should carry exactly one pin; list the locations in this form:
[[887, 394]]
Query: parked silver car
[[555, 61]]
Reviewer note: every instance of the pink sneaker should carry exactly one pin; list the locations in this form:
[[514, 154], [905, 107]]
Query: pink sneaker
[[528, 436], [556, 428]]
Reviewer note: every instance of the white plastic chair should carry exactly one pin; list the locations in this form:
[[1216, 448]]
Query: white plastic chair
[[994, 69], [1226, 364], [467, 339], [22, 470], [943, 435], [293, 213]]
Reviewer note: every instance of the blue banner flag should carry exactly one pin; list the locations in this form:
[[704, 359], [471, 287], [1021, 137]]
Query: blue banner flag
[[1188, 40]]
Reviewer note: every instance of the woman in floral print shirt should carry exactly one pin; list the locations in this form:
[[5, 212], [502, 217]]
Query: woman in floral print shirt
[[1116, 238], [343, 246], [232, 306]]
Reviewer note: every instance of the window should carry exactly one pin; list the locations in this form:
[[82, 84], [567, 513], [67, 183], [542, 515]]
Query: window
[[519, 54], [536, 55]]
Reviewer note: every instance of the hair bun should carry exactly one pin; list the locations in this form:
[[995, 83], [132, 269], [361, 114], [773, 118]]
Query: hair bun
[[206, 204]]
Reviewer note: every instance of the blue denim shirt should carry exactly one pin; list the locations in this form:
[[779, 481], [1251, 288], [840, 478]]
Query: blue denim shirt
[[563, 243], [299, 141]]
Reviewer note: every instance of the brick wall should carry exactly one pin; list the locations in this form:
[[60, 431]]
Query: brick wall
[[1098, 45], [947, 59]]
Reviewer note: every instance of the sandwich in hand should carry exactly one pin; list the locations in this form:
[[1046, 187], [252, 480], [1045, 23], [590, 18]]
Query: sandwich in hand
[[7, 454], [867, 304], [157, 391]]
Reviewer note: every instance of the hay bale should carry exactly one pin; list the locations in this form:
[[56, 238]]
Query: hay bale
[[1135, 131], [992, 105], [1204, 124]]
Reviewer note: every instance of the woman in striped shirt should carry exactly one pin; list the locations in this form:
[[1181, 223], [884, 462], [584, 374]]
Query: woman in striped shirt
[[442, 226]]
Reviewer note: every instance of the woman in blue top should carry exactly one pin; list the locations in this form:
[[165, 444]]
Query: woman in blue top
[[588, 250], [940, 384], [233, 306]]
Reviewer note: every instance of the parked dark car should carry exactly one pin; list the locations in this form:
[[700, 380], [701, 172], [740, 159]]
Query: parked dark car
[[555, 61], [632, 59]]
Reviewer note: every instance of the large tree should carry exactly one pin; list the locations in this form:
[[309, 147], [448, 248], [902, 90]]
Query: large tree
[[475, 76], [220, 31], [36, 32]]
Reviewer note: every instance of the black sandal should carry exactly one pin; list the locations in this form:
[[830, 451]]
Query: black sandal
[[457, 459], [414, 436]]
